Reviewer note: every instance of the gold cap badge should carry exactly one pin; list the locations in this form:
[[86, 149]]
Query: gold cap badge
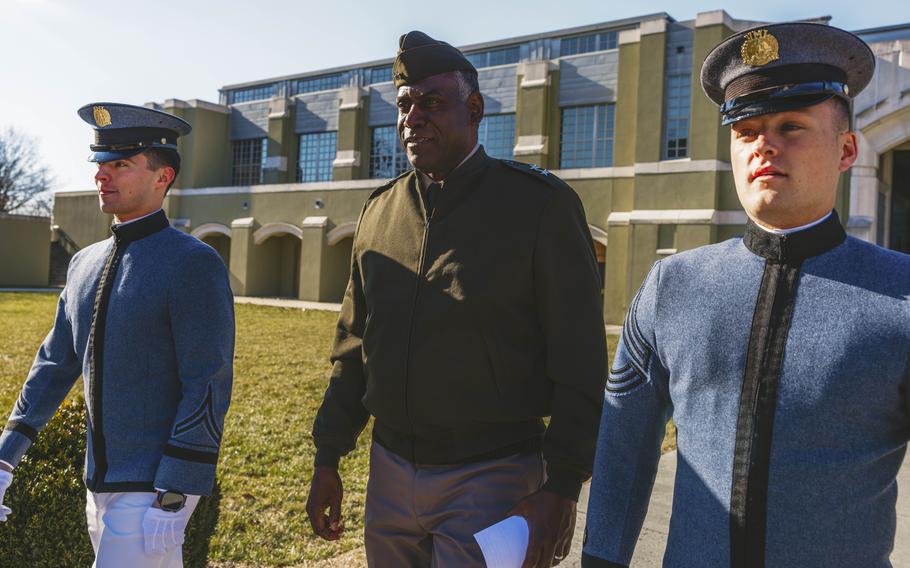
[[102, 116], [759, 48]]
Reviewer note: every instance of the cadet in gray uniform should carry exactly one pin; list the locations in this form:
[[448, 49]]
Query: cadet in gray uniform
[[147, 319], [783, 357]]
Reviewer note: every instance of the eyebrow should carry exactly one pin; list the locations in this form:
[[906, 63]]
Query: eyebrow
[[419, 94]]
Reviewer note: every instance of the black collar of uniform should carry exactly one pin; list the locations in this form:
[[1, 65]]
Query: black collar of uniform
[[798, 246], [128, 232], [460, 182]]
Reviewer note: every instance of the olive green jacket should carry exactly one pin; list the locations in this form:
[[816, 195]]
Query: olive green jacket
[[460, 330]]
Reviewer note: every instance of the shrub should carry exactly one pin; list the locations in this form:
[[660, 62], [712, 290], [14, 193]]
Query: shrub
[[47, 527]]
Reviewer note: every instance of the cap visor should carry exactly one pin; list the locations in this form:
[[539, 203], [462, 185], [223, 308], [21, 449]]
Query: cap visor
[[110, 156], [770, 106]]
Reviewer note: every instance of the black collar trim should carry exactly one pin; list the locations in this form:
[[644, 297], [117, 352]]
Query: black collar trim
[[796, 246], [140, 229]]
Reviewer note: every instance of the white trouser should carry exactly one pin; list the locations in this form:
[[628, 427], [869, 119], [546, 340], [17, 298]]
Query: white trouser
[[115, 527]]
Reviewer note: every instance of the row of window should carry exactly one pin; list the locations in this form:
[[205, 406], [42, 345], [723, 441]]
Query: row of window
[[501, 56], [588, 43], [586, 141]]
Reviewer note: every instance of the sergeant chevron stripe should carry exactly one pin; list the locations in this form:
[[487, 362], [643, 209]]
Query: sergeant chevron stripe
[[203, 416], [635, 371]]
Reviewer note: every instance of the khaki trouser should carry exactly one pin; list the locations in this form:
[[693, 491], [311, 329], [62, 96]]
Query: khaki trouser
[[427, 515]]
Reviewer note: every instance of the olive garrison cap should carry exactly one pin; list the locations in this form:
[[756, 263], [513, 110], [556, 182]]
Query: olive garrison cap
[[420, 56], [781, 67], [124, 130]]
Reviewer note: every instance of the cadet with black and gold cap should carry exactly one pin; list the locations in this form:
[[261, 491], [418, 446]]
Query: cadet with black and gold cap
[[783, 356], [473, 311], [147, 319]]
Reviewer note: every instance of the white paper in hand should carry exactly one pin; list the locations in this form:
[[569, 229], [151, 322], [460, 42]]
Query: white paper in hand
[[504, 544]]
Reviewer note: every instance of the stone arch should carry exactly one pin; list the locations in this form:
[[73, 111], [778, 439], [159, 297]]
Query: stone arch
[[270, 230], [218, 237], [337, 264], [276, 247], [209, 229], [342, 231]]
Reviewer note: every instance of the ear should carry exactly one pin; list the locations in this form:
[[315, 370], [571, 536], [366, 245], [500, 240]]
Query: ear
[[848, 151], [166, 175], [475, 107]]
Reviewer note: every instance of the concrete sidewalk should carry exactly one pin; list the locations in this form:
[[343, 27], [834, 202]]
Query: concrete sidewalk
[[650, 549]]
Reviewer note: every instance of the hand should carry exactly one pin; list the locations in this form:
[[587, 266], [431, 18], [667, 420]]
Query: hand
[[6, 478], [325, 493], [551, 525], [164, 530]]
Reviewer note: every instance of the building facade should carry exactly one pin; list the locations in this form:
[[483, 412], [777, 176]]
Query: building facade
[[276, 172]]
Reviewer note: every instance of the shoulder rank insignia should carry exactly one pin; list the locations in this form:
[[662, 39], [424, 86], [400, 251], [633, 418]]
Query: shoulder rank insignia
[[759, 48], [102, 116], [525, 166], [538, 169]]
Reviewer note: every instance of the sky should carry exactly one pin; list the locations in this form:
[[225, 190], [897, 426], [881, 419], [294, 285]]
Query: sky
[[61, 54]]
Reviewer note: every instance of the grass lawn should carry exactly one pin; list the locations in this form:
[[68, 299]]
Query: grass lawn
[[266, 459]]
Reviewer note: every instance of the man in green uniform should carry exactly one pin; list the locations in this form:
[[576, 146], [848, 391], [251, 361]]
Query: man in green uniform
[[473, 311]]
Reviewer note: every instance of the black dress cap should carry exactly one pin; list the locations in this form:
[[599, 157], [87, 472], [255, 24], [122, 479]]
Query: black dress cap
[[124, 130], [780, 67], [420, 56]]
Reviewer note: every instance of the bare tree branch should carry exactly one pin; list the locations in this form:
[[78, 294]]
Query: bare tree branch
[[24, 181]]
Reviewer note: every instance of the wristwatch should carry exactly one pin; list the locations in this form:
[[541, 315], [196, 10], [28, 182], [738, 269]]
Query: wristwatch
[[170, 501]]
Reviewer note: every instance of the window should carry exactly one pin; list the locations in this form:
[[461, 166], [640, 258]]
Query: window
[[587, 43], [321, 83], [493, 57], [586, 139], [497, 134], [387, 157], [317, 152], [252, 94], [676, 130], [249, 156], [379, 74]]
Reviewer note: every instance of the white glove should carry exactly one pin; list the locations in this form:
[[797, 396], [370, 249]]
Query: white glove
[[6, 478], [164, 530]]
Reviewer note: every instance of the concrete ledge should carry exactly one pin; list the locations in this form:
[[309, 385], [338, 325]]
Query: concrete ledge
[[530, 145], [656, 26], [677, 217], [346, 158], [713, 18], [629, 36], [288, 303]]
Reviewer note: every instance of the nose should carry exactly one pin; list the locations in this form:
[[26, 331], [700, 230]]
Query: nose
[[414, 117], [102, 175], [764, 145]]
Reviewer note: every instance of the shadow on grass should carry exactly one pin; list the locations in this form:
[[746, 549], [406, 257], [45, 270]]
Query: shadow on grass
[[201, 528]]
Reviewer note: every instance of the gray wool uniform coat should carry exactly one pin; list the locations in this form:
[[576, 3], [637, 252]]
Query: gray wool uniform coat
[[784, 362], [147, 319]]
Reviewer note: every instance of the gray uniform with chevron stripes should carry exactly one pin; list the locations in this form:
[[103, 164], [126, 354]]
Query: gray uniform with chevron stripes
[[147, 318], [784, 362]]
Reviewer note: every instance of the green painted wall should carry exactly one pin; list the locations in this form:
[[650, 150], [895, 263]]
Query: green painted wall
[[690, 190], [340, 206], [616, 276], [24, 251], [708, 139], [206, 153], [80, 217], [626, 111], [649, 109]]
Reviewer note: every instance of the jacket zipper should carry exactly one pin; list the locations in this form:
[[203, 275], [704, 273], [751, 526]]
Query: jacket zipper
[[407, 372]]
